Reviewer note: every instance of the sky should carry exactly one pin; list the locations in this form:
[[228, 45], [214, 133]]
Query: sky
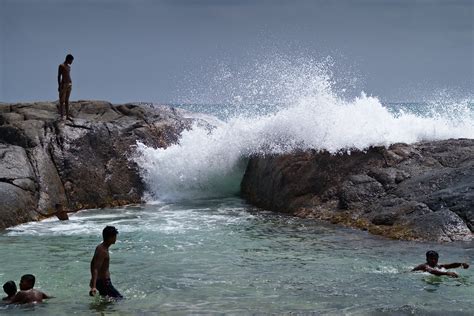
[[171, 51]]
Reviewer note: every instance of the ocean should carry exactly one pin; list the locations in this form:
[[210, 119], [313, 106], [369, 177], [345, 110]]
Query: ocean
[[196, 247], [222, 256]]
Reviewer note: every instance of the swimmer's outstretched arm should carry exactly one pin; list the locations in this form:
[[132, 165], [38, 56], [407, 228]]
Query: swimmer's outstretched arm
[[426, 268], [454, 265]]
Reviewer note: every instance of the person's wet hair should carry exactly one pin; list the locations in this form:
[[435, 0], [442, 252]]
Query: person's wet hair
[[10, 288], [432, 254], [109, 231], [69, 57], [29, 278]]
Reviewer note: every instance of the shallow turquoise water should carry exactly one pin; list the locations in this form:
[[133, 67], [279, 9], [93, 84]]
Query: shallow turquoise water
[[220, 256]]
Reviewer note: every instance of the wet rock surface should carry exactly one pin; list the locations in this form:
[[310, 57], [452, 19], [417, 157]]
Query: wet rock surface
[[423, 191], [79, 163]]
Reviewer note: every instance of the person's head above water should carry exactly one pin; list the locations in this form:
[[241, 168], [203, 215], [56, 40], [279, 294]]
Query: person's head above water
[[109, 234], [432, 258], [69, 59], [10, 288], [27, 282]]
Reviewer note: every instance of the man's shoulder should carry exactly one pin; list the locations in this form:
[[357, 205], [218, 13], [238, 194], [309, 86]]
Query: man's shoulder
[[21, 294], [421, 267], [36, 291], [101, 248], [39, 294]]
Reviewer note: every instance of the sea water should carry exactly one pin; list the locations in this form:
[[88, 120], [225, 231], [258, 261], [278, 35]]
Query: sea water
[[216, 256], [197, 248]]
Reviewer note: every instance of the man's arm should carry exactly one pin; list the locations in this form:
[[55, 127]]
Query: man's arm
[[426, 268], [438, 272], [59, 77], [96, 263], [454, 265]]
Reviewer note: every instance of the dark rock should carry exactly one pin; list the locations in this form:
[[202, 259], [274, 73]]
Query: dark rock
[[11, 117], [25, 184], [440, 226], [14, 136], [17, 205], [457, 198], [62, 216], [422, 191], [82, 163], [14, 163], [359, 188], [385, 219]]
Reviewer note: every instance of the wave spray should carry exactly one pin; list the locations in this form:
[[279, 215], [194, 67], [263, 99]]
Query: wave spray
[[308, 112]]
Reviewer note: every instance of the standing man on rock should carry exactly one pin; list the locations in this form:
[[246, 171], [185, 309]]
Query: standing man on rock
[[65, 85], [100, 275]]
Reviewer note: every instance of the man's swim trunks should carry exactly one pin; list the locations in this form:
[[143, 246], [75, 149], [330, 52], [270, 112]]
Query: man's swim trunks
[[105, 288], [64, 91]]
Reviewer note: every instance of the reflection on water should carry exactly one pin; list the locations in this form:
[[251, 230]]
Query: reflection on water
[[220, 256]]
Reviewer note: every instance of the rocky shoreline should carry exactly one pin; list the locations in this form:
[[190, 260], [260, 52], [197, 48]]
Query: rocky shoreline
[[81, 163], [423, 191]]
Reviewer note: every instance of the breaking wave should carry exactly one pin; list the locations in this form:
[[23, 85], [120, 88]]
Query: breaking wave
[[307, 111]]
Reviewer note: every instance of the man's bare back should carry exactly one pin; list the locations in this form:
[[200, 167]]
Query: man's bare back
[[27, 293], [29, 296]]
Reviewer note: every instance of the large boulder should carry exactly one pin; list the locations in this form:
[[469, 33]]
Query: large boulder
[[80, 163], [423, 191]]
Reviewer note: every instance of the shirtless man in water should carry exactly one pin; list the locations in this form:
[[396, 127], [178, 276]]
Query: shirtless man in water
[[433, 267], [27, 294], [100, 275], [65, 85]]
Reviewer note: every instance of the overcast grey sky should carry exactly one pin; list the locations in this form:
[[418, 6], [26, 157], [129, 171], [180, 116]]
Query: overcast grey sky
[[158, 51]]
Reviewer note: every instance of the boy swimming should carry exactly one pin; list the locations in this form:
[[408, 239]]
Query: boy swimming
[[433, 267]]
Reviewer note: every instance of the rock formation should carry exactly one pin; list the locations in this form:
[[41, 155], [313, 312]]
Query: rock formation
[[82, 163], [423, 191]]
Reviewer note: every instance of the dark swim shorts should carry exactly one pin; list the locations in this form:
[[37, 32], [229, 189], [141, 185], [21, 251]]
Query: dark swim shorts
[[105, 288]]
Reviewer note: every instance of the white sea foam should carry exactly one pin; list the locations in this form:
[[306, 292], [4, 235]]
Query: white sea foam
[[211, 163], [166, 219]]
